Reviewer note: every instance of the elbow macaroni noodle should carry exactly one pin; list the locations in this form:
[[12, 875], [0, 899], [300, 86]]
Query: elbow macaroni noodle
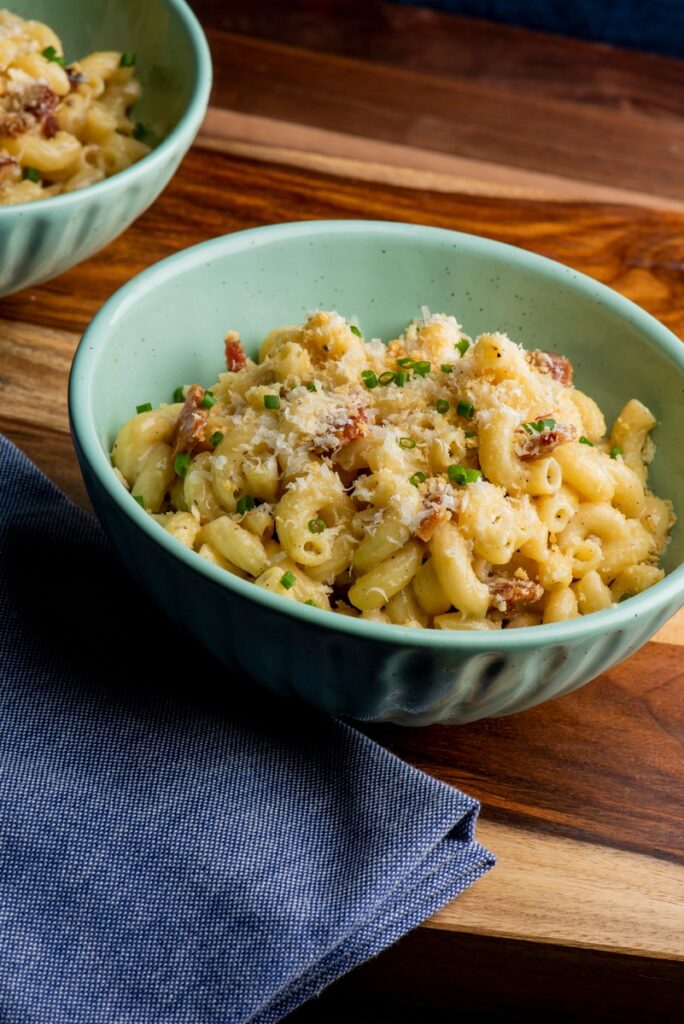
[[434, 482], [62, 127]]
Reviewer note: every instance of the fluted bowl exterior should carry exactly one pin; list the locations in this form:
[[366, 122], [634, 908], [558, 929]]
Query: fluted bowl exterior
[[42, 239], [369, 671]]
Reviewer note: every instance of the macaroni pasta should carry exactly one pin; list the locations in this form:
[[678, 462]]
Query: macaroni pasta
[[62, 126], [433, 482]]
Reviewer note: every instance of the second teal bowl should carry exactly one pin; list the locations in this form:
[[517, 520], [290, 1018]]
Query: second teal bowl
[[42, 239], [166, 326]]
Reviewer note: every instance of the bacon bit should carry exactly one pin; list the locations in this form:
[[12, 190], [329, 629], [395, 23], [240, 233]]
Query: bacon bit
[[20, 111], [535, 446], [436, 515], [235, 353], [557, 367], [189, 435], [9, 168], [50, 126], [40, 101], [75, 76], [343, 433], [506, 593]]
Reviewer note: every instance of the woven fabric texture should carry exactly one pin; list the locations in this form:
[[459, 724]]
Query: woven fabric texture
[[172, 852]]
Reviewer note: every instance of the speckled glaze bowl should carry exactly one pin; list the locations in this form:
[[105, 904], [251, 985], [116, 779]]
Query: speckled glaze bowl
[[167, 325], [42, 239]]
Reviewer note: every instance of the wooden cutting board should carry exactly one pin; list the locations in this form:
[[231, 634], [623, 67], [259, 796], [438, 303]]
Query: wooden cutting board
[[583, 798]]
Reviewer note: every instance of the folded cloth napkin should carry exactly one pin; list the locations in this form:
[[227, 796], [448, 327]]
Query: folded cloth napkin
[[173, 853]]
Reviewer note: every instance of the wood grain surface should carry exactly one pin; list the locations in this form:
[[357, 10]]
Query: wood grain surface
[[564, 148]]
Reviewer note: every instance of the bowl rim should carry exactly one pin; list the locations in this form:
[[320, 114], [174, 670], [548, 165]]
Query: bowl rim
[[187, 125], [668, 592]]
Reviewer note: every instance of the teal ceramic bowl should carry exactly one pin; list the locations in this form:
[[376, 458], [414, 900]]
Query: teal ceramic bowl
[[42, 239], [167, 325]]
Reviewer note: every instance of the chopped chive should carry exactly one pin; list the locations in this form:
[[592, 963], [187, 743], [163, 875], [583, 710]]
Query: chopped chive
[[386, 378], [316, 525], [465, 409], [585, 440], [288, 580], [216, 438], [271, 402], [310, 386], [538, 426], [355, 330], [406, 363], [625, 597], [441, 405], [208, 401], [139, 499], [615, 451], [422, 368], [181, 464], [370, 380], [51, 54], [31, 174], [417, 478], [462, 475], [311, 603], [367, 373], [245, 504], [127, 60], [145, 407], [463, 345], [471, 433], [179, 394], [139, 131], [400, 378], [407, 442], [447, 368]]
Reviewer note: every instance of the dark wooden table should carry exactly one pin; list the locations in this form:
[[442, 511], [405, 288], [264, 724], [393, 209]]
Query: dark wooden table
[[574, 150]]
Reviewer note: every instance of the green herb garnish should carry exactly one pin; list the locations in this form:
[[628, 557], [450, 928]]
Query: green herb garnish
[[406, 363], [127, 60], [31, 174], [208, 401], [245, 504], [538, 426], [462, 475], [51, 54], [139, 499], [585, 440], [310, 386], [271, 402], [355, 330], [422, 368], [400, 378], [463, 345], [386, 378], [407, 442], [216, 438], [465, 409], [615, 451], [417, 478], [441, 405], [288, 580], [447, 368], [145, 407], [370, 380], [179, 394], [181, 464], [316, 525]]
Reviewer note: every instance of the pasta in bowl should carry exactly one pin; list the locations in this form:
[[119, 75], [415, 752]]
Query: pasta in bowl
[[433, 482], [63, 126], [157, 343], [99, 101]]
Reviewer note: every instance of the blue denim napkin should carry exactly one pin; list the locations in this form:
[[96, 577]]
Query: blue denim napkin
[[172, 852]]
